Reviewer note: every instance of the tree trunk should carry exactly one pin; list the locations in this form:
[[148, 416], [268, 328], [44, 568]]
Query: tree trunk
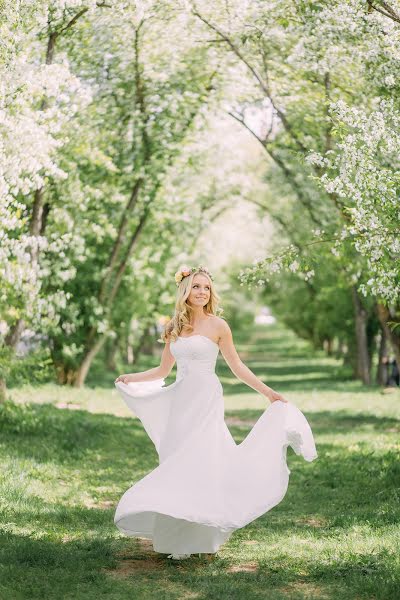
[[130, 354], [384, 316], [144, 345], [328, 346], [350, 356], [147, 343], [340, 349], [111, 353], [83, 370], [382, 370], [65, 375], [3, 391], [36, 224], [14, 335], [371, 339], [361, 319]]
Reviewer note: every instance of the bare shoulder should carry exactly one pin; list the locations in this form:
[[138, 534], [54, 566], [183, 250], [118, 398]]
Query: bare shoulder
[[221, 326]]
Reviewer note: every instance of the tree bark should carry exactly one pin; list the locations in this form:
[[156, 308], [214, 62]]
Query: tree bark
[[84, 367], [327, 345], [14, 335], [339, 348], [143, 344], [111, 353], [385, 9], [384, 316], [3, 391], [363, 371], [382, 369], [122, 229], [130, 354]]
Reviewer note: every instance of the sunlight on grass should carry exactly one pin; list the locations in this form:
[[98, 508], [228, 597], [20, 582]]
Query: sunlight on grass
[[67, 455]]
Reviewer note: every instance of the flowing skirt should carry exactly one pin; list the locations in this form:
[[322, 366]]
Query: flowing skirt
[[206, 486]]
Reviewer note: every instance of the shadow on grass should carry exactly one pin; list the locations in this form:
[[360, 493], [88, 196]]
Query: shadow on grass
[[48, 434], [48, 569], [346, 486], [90, 569], [312, 384], [324, 422], [111, 450]]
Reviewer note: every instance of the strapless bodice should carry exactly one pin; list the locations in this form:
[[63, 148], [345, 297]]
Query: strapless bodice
[[194, 354]]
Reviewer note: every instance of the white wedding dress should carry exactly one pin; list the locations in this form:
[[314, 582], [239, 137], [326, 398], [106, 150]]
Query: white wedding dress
[[206, 486]]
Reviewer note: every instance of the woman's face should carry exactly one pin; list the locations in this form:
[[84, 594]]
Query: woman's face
[[200, 292]]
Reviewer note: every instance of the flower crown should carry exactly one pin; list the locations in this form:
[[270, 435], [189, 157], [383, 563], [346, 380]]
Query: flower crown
[[184, 271]]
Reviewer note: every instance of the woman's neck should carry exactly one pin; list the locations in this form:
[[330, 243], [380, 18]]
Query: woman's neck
[[198, 315]]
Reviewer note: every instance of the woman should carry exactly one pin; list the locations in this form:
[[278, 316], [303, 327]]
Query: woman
[[206, 486]]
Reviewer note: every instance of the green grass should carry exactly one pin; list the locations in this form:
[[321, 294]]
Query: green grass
[[68, 455]]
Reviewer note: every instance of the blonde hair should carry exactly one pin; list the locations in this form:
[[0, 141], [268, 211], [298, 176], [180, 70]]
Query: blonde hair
[[183, 310]]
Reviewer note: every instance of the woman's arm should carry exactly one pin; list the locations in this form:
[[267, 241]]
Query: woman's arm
[[239, 369], [163, 370]]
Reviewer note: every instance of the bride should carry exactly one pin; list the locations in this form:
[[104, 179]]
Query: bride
[[206, 486]]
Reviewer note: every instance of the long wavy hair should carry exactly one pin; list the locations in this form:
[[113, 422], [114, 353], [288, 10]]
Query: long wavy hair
[[184, 312]]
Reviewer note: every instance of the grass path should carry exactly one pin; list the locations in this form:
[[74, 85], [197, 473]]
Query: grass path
[[68, 455]]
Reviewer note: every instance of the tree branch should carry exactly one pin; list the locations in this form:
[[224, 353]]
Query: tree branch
[[73, 20], [263, 84], [286, 171], [133, 199], [241, 120], [385, 9], [328, 133]]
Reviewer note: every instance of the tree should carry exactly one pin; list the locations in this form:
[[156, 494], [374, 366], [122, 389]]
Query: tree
[[307, 60]]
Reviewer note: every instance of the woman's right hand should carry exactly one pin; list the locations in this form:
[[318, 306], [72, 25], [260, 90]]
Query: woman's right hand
[[274, 396], [127, 378]]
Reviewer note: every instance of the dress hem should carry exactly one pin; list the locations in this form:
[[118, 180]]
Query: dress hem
[[224, 529], [174, 516]]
